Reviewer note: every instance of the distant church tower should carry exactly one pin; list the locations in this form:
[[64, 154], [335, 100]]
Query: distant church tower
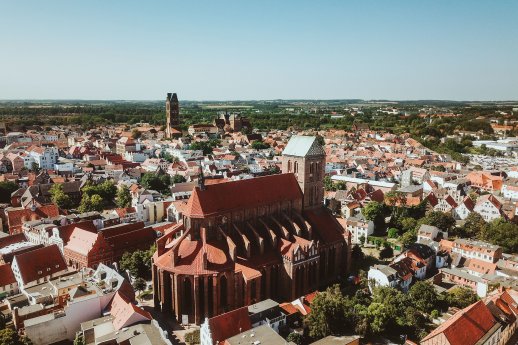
[[305, 157], [172, 113]]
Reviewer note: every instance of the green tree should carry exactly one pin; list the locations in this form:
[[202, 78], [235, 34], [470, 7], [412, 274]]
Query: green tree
[[35, 167], [135, 134], [106, 190], [502, 233], [9, 336], [423, 297], [156, 182], [139, 284], [6, 189], [328, 315], [408, 224], [387, 251], [392, 233], [379, 317], [58, 197], [408, 238], [375, 212], [138, 263], [178, 179], [386, 309], [259, 145], [395, 200], [295, 338], [461, 297], [204, 146], [123, 198], [91, 203], [444, 221], [329, 185], [357, 253], [473, 226]]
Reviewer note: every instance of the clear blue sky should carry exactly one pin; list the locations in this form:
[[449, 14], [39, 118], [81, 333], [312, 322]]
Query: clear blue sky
[[244, 49]]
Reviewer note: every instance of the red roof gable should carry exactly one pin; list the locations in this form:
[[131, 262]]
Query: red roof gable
[[40, 263], [325, 225], [466, 327], [8, 240], [6, 275], [17, 217], [229, 324]]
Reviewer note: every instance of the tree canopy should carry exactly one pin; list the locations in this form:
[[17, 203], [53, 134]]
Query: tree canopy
[[123, 198], [156, 182], [138, 262], [58, 197], [502, 233], [461, 297], [6, 189], [9, 336]]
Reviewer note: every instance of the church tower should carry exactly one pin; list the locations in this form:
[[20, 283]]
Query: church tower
[[172, 113], [305, 157]]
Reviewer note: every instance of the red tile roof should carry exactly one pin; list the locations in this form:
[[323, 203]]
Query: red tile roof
[[40, 263], [65, 231], [125, 313], [224, 197], [17, 217], [325, 225], [6, 275], [466, 327], [8, 240], [229, 324]]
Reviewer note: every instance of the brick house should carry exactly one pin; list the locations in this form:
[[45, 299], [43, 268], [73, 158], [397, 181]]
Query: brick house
[[89, 249]]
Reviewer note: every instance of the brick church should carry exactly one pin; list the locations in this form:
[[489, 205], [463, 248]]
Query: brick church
[[172, 115], [244, 241]]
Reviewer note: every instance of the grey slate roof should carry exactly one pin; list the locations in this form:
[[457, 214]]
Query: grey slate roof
[[303, 146]]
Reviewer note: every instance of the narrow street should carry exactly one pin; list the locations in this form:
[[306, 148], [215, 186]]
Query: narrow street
[[175, 331]]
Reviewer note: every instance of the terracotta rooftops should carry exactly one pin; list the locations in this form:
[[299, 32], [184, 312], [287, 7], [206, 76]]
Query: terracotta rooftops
[[6, 275], [126, 313], [229, 324], [8, 240], [224, 197], [466, 327], [40, 263]]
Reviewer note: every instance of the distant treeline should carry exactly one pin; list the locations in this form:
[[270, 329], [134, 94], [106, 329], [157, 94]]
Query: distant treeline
[[263, 116]]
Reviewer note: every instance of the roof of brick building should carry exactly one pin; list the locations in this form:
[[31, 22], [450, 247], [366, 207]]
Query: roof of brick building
[[224, 197], [229, 324], [467, 326], [40, 262]]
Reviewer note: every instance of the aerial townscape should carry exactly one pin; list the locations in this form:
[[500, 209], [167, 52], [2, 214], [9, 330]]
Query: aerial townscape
[[258, 172], [377, 222]]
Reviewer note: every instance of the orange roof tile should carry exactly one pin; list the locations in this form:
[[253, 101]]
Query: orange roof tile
[[224, 197]]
